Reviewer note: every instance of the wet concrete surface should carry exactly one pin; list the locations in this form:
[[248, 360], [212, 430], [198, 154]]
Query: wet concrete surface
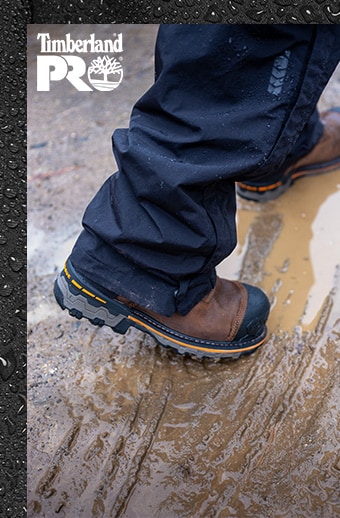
[[121, 427]]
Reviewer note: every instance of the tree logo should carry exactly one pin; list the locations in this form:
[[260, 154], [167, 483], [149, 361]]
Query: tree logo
[[105, 73]]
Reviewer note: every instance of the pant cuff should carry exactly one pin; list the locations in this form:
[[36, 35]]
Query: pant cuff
[[120, 276]]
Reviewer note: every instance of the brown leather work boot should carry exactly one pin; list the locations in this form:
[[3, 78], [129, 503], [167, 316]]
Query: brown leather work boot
[[228, 322], [323, 158]]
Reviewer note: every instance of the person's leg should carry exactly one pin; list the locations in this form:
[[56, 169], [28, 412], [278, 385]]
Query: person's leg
[[156, 230], [317, 152], [317, 148], [169, 214]]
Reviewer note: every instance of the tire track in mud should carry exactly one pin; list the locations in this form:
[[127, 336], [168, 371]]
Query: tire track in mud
[[44, 487], [111, 463], [124, 461], [285, 430], [146, 440]]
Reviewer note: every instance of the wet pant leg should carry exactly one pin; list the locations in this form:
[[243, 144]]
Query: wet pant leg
[[229, 103]]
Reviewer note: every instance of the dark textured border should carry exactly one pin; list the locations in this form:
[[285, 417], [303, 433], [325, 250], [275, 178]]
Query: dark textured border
[[13, 260], [14, 16], [186, 11]]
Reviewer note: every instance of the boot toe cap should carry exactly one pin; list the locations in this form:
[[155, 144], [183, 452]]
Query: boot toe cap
[[256, 313]]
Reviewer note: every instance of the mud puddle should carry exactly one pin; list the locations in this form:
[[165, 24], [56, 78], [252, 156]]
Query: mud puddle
[[291, 246], [119, 427]]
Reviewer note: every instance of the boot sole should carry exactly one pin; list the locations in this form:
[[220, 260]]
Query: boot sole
[[85, 302], [273, 191]]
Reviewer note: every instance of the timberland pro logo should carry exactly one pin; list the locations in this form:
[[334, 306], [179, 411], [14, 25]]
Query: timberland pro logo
[[59, 60]]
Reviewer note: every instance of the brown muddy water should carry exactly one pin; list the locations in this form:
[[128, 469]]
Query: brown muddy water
[[119, 427]]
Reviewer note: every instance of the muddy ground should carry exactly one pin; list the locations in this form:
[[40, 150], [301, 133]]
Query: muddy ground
[[120, 427]]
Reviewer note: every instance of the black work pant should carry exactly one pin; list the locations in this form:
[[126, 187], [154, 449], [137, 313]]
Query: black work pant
[[229, 103]]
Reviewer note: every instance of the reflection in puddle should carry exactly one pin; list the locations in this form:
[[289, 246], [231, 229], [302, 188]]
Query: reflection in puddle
[[324, 253]]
